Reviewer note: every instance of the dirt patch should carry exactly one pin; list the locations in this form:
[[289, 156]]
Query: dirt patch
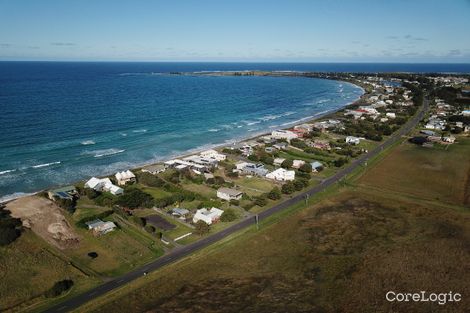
[[46, 219]]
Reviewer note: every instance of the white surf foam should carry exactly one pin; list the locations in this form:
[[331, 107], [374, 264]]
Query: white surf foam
[[7, 171], [106, 152], [88, 142], [45, 164]]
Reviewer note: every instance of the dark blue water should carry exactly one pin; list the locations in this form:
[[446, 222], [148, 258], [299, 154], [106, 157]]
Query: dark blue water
[[62, 122]]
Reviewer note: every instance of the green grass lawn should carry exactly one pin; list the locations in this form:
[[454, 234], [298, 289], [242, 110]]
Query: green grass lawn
[[201, 189], [254, 186]]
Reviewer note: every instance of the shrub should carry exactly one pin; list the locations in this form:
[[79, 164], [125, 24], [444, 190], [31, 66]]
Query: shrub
[[274, 194], [288, 188], [260, 201], [234, 202], [150, 229], [340, 162], [91, 193], [306, 168], [287, 163], [105, 199], [135, 198], [59, 288], [202, 228], [93, 255], [229, 215]]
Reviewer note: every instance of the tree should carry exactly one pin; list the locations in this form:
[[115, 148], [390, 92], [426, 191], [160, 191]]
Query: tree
[[274, 194], [150, 229], [306, 168], [59, 288], [298, 184], [202, 228], [260, 201], [253, 158], [287, 163], [288, 188], [229, 215], [10, 228], [135, 198], [340, 162], [91, 193]]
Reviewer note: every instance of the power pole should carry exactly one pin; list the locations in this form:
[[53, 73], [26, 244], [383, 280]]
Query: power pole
[[257, 221], [307, 196]]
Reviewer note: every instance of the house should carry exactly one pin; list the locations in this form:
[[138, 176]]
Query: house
[[427, 132], [208, 176], [254, 169], [466, 112], [353, 140], [278, 161], [304, 128], [281, 174], [241, 165], [99, 227], [208, 216], [212, 154], [67, 192], [154, 169], [320, 144], [229, 194], [270, 149], [297, 163], [179, 212], [103, 184], [94, 183], [448, 139], [390, 115], [283, 134], [125, 177], [281, 145], [316, 166]]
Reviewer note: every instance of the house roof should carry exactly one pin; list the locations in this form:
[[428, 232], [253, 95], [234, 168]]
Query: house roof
[[230, 192]]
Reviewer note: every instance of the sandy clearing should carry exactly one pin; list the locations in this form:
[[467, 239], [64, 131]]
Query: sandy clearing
[[45, 218]]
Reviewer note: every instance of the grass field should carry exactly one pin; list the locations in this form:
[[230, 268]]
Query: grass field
[[341, 254], [29, 267], [431, 174]]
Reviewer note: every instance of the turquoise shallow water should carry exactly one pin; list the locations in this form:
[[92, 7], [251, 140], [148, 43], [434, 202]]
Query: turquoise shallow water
[[68, 121]]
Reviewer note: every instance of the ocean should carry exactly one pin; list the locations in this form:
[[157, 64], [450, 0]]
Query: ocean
[[67, 121]]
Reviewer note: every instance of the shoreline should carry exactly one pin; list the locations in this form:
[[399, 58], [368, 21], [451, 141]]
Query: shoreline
[[308, 119]]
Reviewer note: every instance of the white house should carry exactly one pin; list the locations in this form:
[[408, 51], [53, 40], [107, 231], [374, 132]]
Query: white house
[[212, 154], [278, 161], [281, 174], [283, 134], [99, 227], [154, 169], [125, 177], [209, 216], [94, 183], [353, 140], [229, 194], [297, 163], [103, 184], [390, 115]]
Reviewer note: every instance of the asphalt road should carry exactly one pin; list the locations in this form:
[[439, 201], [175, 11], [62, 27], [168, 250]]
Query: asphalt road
[[181, 252]]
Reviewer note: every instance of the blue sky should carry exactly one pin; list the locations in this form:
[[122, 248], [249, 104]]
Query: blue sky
[[237, 30]]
